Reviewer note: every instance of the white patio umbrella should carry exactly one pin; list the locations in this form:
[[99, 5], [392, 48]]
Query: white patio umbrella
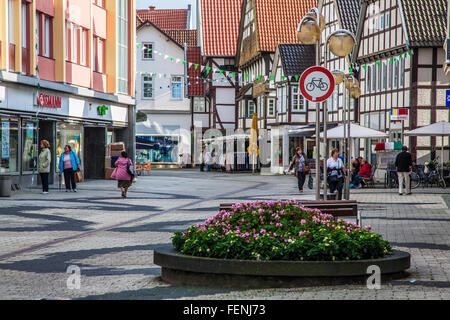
[[356, 132], [437, 129]]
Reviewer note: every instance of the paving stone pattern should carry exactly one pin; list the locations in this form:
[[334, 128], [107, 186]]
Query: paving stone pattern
[[115, 254]]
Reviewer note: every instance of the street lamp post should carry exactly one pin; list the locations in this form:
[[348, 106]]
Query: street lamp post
[[341, 43]]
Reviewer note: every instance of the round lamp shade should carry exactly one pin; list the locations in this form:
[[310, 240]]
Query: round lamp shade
[[308, 31], [355, 92], [341, 44], [338, 77], [313, 15], [351, 83]]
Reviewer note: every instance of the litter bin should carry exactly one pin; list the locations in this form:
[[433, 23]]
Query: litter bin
[[5, 186]]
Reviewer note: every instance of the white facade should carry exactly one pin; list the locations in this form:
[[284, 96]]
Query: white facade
[[160, 94]]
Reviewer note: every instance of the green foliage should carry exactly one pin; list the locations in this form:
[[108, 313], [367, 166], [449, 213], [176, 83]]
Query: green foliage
[[279, 231]]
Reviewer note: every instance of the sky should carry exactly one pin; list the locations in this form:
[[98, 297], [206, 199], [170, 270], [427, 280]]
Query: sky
[[169, 4]]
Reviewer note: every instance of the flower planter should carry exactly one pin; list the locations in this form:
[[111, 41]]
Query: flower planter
[[198, 271]]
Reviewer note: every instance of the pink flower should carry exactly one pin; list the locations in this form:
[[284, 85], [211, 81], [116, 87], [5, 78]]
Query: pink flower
[[260, 210], [301, 233], [303, 221], [262, 230]]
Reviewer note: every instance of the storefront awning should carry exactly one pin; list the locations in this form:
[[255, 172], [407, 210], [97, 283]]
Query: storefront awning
[[309, 130]]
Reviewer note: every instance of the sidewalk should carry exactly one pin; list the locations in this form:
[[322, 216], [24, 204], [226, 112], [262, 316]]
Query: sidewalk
[[116, 256]]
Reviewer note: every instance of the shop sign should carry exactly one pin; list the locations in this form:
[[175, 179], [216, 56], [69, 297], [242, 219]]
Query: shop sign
[[399, 114], [101, 110], [447, 99], [48, 101]]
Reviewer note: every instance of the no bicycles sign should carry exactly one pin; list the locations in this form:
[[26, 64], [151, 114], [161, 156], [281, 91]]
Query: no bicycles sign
[[316, 84]]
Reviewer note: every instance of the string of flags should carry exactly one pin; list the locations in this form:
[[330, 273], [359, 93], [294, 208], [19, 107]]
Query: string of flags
[[392, 59], [206, 69]]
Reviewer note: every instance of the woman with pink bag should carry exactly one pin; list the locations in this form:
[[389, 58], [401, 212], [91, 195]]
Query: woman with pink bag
[[123, 173]]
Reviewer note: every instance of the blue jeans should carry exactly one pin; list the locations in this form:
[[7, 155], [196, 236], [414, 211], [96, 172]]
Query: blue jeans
[[357, 180]]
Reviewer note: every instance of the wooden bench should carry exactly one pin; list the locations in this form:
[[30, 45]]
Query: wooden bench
[[337, 208]]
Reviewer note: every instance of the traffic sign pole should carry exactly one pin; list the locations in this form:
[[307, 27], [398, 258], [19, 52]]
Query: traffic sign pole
[[317, 85]]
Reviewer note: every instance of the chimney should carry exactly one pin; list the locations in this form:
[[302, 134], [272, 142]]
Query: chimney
[[151, 8], [188, 17]]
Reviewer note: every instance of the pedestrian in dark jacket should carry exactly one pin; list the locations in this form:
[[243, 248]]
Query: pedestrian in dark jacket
[[298, 162], [403, 163]]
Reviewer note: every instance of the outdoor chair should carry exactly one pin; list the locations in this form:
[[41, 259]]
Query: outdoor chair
[[370, 182]]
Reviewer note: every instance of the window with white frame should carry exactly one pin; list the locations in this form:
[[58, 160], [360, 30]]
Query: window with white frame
[[74, 52], [396, 73], [298, 102], [270, 107], [251, 108], [380, 75], [388, 20], [369, 79], [374, 78], [402, 72], [176, 87], [336, 99], [385, 76], [199, 104], [83, 46], [390, 72], [147, 52], [147, 87]]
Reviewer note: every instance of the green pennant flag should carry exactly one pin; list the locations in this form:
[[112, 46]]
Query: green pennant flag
[[296, 77], [184, 62], [259, 77], [196, 66], [378, 63], [272, 77], [246, 76], [392, 59], [37, 68], [350, 70], [409, 52], [283, 78], [139, 45], [364, 67], [171, 59], [234, 74], [208, 69], [221, 71], [39, 86]]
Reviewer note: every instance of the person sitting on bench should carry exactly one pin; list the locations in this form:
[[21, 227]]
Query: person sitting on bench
[[364, 173]]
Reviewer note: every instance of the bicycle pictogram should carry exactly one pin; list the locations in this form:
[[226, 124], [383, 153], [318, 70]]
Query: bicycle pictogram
[[317, 83]]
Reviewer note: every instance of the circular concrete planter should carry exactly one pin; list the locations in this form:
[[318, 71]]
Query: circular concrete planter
[[189, 270]]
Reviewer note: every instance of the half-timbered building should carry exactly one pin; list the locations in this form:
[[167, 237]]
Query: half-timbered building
[[401, 57], [217, 23]]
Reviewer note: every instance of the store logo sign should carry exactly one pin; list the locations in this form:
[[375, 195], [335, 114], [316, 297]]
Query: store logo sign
[[48, 101], [101, 110]]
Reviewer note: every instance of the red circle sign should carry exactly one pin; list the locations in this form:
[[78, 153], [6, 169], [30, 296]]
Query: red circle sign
[[316, 84]]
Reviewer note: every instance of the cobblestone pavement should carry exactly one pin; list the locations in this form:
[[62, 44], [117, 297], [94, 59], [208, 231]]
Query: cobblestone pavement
[[112, 239]]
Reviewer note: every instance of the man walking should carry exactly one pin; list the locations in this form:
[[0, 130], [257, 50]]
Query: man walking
[[403, 163]]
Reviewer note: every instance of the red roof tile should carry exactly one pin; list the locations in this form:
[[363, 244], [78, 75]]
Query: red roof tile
[[195, 84], [174, 19], [183, 36], [220, 26], [277, 21]]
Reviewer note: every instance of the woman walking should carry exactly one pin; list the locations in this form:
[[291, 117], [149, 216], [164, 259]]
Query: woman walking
[[336, 173], [298, 162], [44, 164], [68, 165], [121, 173]]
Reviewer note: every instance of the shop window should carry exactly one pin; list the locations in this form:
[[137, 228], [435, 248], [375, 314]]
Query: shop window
[[30, 146], [68, 134], [157, 149], [9, 137]]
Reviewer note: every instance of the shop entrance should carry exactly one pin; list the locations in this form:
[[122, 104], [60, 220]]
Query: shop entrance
[[46, 132], [94, 159]]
